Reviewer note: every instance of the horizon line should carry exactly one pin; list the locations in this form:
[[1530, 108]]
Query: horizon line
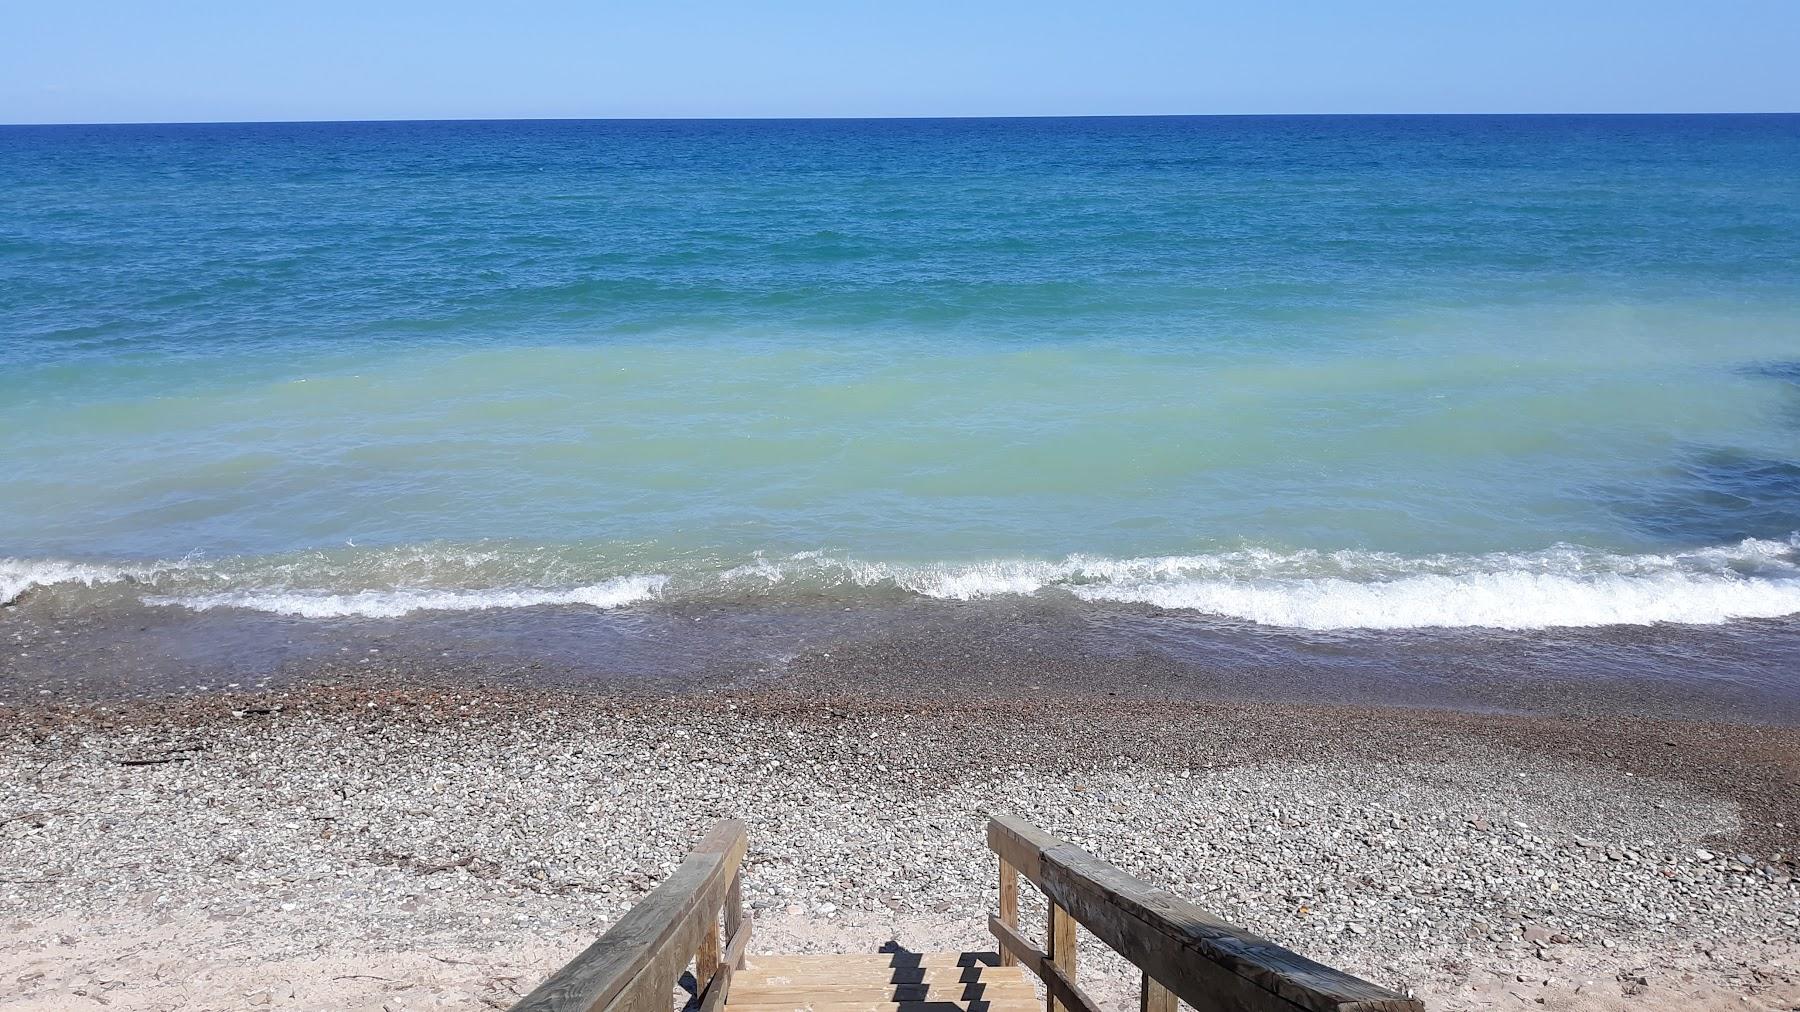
[[864, 119]]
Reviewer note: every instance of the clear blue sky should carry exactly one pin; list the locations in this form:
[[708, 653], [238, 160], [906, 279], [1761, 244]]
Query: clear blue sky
[[134, 60]]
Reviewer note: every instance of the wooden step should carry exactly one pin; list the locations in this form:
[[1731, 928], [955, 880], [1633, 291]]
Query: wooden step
[[881, 982], [837, 960], [825, 1005], [757, 974], [782, 993]]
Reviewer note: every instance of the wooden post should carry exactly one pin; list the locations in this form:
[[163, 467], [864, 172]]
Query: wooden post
[[706, 958], [1009, 906], [634, 966], [1153, 997], [1194, 960], [734, 914], [1062, 951]]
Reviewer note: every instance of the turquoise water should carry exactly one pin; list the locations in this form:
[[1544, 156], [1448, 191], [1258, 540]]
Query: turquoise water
[[1318, 372]]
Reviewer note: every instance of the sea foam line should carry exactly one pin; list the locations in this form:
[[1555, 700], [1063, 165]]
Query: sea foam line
[[1487, 600], [1559, 586], [397, 603], [1564, 586], [17, 576]]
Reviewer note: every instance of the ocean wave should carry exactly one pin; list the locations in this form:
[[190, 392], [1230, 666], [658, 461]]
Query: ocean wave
[[1516, 600], [1559, 587], [19, 576], [1563, 585], [1556, 587], [397, 603]]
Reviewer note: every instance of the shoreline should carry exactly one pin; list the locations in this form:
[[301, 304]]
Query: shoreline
[[1740, 672], [269, 833]]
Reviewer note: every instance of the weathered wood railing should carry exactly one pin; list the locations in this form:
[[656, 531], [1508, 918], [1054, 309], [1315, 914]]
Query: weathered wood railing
[[635, 966], [1184, 952]]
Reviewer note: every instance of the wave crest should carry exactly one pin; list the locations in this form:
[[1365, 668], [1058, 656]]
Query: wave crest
[[1488, 600], [1563, 585], [397, 603], [19, 576]]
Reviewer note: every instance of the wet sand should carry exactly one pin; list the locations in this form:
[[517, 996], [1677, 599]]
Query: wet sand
[[1737, 673]]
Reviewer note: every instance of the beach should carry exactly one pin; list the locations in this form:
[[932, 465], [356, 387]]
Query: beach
[[354, 845]]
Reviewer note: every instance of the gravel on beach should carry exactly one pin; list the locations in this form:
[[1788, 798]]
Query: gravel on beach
[[351, 846]]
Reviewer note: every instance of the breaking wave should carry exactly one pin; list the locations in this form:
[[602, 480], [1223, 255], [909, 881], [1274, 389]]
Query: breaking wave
[[1490, 600], [1559, 586], [20, 576], [397, 603]]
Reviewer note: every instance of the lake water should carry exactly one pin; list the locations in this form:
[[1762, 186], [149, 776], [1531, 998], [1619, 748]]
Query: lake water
[[1335, 373]]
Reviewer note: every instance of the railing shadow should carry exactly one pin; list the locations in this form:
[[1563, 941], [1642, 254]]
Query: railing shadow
[[909, 977]]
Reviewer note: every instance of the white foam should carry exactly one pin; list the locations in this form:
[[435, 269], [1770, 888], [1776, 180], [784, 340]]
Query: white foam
[[969, 582], [396, 603], [1559, 586], [20, 575], [1563, 585], [1513, 600]]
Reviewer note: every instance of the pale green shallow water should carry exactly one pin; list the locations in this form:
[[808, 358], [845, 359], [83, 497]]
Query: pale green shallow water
[[1309, 372]]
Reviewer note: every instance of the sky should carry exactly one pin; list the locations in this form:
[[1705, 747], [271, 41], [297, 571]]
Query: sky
[[81, 61]]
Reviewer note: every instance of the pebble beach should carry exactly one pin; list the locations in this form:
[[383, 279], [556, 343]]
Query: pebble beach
[[363, 847]]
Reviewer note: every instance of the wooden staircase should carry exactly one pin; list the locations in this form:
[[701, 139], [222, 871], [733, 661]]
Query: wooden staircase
[[881, 982], [696, 919]]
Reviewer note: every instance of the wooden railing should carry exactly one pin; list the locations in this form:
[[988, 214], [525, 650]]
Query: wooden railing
[[1184, 952], [635, 966]]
